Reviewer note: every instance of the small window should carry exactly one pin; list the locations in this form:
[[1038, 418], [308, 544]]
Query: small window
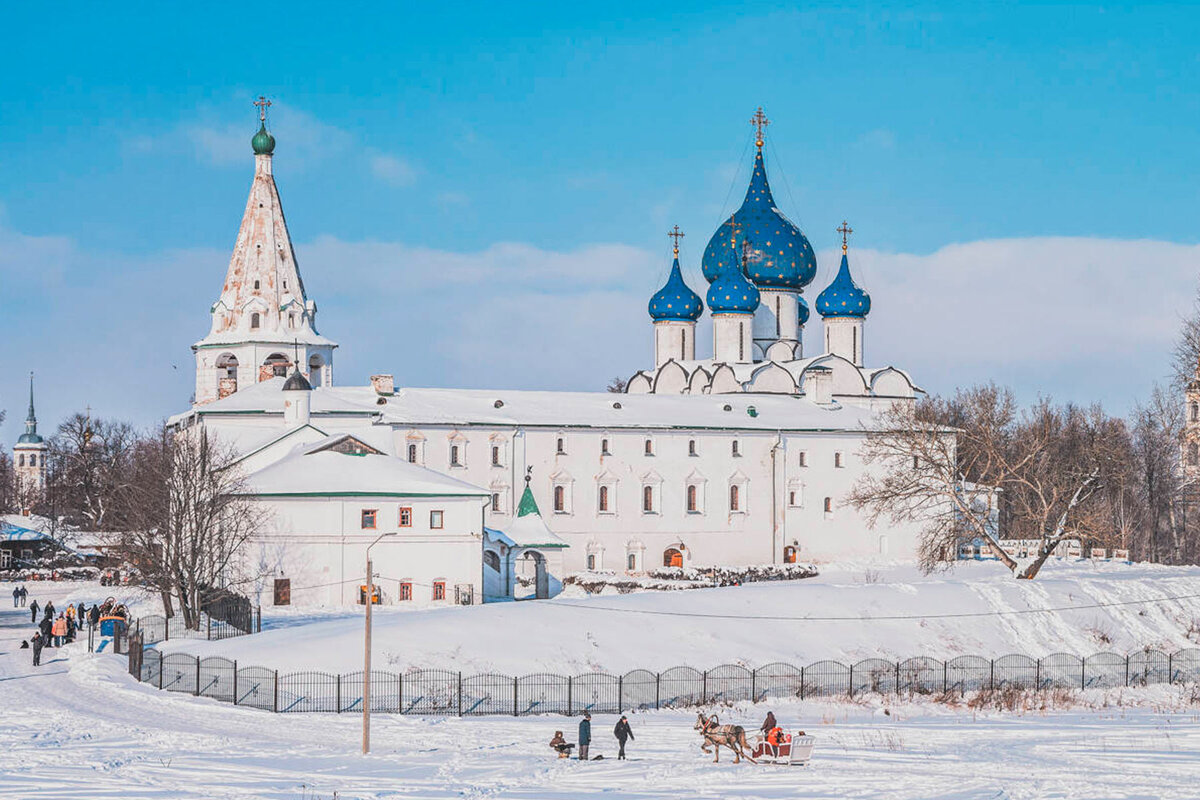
[[692, 447], [1195, 412], [735, 448], [604, 451], [32, 460], [560, 446], [735, 498], [693, 498], [435, 520], [649, 447], [916, 462], [829, 505], [803, 458], [648, 499], [255, 321], [455, 459], [591, 562], [495, 455], [603, 500], [837, 460], [1193, 454], [560, 499], [405, 590], [368, 518], [412, 454], [257, 285], [793, 498], [631, 562], [405, 517], [291, 320], [495, 502], [439, 590]]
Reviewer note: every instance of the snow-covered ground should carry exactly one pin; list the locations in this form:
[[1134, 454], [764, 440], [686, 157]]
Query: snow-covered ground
[[617, 633], [80, 727]]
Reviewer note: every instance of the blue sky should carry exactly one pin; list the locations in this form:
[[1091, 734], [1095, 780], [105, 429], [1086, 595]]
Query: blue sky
[[1057, 146]]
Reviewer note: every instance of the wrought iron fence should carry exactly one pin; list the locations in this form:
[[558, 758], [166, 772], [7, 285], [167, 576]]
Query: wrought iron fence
[[444, 692], [223, 621]]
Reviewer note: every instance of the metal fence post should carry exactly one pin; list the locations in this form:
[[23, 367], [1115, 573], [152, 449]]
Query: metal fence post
[[197, 676], [1037, 675], [258, 618], [275, 689], [210, 627], [515, 697], [1127, 670], [1170, 668], [704, 687], [235, 697], [620, 694], [802, 683], [570, 691], [460, 694], [400, 693], [850, 684], [945, 676], [1082, 673], [339, 691], [897, 678], [160, 670], [657, 689], [754, 686], [992, 679]]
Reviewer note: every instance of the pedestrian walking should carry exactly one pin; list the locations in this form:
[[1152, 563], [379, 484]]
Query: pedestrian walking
[[49, 609], [24, 594], [81, 613], [37, 643], [585, 735], [59, 630], [94, 615], [45, 625], [33, 609], [622, 732], [16, 596]]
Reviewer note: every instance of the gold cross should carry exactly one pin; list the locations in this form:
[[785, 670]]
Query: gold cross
[[845, 230], [676, 234], [759, 121], [263, 104]]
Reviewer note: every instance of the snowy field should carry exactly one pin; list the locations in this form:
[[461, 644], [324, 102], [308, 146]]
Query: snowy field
[[79, 727], [618, 633]]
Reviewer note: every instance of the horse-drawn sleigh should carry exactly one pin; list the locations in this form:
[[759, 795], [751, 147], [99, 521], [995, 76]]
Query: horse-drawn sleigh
[[789, 749]]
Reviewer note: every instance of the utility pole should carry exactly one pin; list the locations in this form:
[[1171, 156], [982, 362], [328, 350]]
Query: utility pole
[[366, 699]]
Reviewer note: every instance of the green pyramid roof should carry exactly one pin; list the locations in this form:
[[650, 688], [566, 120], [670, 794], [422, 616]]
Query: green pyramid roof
[[528, 505]]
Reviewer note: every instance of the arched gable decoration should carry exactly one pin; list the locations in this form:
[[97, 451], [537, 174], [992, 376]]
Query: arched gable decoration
[[892, 382], [700, 381], [772, 378], [725, 381], [640, 383], [672, 378], [847, 378]]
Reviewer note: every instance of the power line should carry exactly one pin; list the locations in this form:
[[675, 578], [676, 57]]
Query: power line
[[885, 617]]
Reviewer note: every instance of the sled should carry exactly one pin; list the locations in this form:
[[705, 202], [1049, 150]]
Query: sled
[[110, 625], [793, 751]]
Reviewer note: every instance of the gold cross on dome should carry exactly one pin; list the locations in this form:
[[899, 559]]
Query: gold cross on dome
[[760, 122], [845, 230], [263, 104], [676, 234]]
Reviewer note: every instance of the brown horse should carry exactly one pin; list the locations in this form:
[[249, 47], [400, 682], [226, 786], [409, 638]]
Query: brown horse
[[718, 735]]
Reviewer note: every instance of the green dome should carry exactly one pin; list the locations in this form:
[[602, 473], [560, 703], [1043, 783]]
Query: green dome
[[263, 142]]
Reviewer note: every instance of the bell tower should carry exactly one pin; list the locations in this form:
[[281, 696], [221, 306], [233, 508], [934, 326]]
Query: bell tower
[[29, 460], [263, 324]]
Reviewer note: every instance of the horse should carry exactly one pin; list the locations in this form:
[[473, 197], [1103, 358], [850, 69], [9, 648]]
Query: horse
[[718, 735]]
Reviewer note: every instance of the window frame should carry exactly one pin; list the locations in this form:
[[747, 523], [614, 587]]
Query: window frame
[[437, 519], [439, 590], [405, 593], [374, 517], [400, 515], [735, 448]]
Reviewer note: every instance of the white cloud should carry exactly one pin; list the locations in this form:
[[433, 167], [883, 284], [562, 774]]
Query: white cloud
[[393, 170], [1080, 319]]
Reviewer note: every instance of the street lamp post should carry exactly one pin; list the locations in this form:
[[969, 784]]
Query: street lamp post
[[366, 730]]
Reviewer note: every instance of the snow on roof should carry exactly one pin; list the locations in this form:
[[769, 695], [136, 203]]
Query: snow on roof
[[527, 531], [317, 471], [510, 407], [16, 533]]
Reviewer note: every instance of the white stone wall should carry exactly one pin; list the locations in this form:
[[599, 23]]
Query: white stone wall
[[319, 543], [674, 339], [733, 338], [844, 337]]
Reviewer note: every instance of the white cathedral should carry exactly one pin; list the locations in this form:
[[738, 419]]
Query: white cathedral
[[738, 459]]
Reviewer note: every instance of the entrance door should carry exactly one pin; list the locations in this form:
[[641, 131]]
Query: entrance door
[[789, 555], [672, 558]]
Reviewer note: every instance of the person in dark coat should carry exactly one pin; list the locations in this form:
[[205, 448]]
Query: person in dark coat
[[16, 596], [49, 609], [81, 613], [585, 736], [36, 641], [24, 594], [94, 616], [622, 732], [769, 723], [33, 609], [46, 624]]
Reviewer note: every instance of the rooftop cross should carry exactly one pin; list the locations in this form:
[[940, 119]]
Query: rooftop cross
[[676, 234], [760, 122], [263, 104], [845, 230]]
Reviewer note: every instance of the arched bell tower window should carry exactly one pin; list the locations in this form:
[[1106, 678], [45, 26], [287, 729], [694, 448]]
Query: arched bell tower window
[[1195, 413], [255, 321], [276, 364]]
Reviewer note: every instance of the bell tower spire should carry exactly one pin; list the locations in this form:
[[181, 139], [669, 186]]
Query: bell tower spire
[[29, 457], [263, 324]]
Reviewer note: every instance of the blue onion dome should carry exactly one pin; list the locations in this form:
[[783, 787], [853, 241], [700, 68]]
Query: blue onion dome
[[263, 142], [843, 297], [731, 293], [802, 310], [675, 300], [787, 262]]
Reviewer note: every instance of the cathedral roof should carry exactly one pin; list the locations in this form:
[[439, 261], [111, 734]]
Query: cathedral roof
[[263, 142], [30, 436], [296, 382], [843, 297], [730, 292], [675, 300], [786, 258], [802, 310]]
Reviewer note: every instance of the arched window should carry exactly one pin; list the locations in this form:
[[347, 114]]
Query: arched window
[[492, 559], [495, 455], [735, 497], [32, 460], [21, 460], [691, 447], [257, 285], [495, 501], [1195, 412], [693, 498], [648, 499], [560, 446], [454, 457], [255, 321], [604, 498], [277, 364], [837, 460], [734, 449], [560, 498], [316, 370], [828, 505], [591, 562], [672, 557], [631, 562], [1193, 454], [412, 453], [649, 447], [604, 448]]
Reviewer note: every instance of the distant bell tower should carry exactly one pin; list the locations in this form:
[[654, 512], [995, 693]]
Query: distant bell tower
[[263, 324], [29, 460], [1191, 428]]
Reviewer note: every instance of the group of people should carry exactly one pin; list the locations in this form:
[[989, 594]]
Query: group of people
[[19, 595], [57, 627], [621, 731]]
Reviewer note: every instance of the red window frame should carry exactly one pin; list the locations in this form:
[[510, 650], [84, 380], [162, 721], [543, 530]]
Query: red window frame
[[371, 514], [406, 590], [405, 517], [439, 590]]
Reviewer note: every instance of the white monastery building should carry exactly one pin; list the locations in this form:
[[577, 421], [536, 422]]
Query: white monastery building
[[740, 458]]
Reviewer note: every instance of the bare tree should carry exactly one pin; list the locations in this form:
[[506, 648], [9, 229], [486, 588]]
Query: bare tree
[[617, 385], [187, 520], [1187, 348], [957, 466], [88, 468]]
